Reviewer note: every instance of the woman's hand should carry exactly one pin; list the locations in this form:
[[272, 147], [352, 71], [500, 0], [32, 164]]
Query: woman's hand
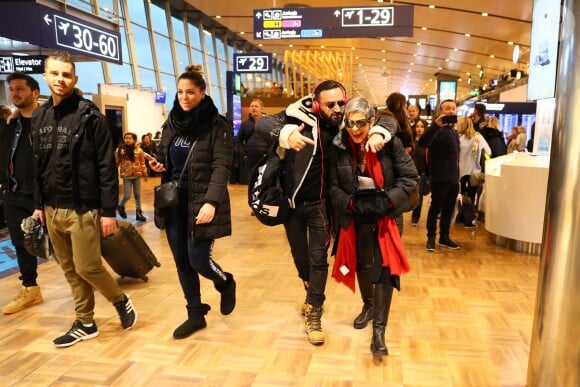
[[206, 214], [156, 165]]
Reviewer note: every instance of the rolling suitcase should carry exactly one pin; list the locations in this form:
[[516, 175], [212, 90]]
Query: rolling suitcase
[[127, 253]]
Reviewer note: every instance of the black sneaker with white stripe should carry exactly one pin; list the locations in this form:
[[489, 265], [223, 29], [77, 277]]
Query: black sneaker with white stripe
[[126, 311], [78, 332]]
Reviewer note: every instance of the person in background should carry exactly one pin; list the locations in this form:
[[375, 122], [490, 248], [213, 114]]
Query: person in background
[[76, 193], [414, 113], [150, 148], [255, 145], [17, 183], [443, 161], [511, 140], [492, 134], [306, 130], [471, 146], [203, 213], [419, 157], [157, 135], [5, 112], [479, 116], [132, 168], [521, 139], [370, 243], [397, 108]]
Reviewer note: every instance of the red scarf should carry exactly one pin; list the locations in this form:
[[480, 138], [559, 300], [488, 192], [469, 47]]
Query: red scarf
[[390, 243]]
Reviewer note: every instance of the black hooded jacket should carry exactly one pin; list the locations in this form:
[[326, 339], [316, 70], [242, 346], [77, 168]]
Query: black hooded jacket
[[208, 169], [74, 157]]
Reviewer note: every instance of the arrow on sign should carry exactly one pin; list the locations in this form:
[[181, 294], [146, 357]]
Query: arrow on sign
[[259, 15], [337, 13], [47, 19]]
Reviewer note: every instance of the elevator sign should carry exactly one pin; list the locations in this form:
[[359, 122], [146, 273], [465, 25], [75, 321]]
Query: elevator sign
[[333, 22]]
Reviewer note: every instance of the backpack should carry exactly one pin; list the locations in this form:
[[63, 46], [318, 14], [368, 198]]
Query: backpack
[[266, 195]]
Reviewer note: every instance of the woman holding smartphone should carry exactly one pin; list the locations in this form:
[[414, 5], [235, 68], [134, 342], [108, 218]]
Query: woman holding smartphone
[[131, 162]]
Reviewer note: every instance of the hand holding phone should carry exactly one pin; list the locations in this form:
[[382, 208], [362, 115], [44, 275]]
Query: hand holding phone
[[448, 120], [148, 156]]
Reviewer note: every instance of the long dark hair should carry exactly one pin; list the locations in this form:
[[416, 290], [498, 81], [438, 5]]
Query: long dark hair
[[395, 103], [128, 150]]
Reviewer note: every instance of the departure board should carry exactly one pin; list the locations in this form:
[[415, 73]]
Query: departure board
[[333, 22]]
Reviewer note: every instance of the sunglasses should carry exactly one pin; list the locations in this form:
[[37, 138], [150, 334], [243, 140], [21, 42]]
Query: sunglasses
[[331, 105], [358, 123]]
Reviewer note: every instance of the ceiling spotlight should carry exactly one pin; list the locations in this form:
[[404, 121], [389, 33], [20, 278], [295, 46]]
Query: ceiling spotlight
[[481, 73], [424, 28], [468, 35], [492, 56], [484, 14], [431, 6], [510, 43]]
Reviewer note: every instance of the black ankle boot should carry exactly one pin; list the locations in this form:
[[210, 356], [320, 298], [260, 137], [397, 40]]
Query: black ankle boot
[[228, 291], [195, 322], [122, 212], [366, 291], [382, 305], [139, 216]]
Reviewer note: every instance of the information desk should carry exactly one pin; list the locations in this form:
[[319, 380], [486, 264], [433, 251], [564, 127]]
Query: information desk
[[515, 199]]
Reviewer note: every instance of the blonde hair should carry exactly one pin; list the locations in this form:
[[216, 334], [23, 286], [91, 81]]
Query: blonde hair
[[465, 127], [493, 122], [521, 129]]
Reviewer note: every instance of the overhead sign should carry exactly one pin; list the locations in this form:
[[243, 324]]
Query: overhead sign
[[253, 63], [32, 64], [47, 27], [333, 22]]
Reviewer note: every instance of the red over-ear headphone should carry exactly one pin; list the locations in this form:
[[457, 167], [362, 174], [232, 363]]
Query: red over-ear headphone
[[332, 85]]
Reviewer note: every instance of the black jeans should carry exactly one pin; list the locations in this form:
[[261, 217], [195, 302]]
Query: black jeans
[[16, 208], [308, 233], [192, 257], [443, 199]]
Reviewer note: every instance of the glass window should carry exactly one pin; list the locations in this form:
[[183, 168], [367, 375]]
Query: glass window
[[137, 12], [182, 57], [124, 45], [208, 42], [197, 57], [213, 73], [142, 46], [90, 75], [164, 57], [221, 49], [194, 36], [223, 69], [215, 95], [158, 20], [170, 88], [44, 90], [121, 73], [147, 78], [84, 5], [106, 9], [178, 28]]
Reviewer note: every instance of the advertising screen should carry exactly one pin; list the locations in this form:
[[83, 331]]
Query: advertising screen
[[544, 49], [237, 113], [447, 90]]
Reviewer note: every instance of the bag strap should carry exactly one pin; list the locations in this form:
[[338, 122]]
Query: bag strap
[[186, 161]]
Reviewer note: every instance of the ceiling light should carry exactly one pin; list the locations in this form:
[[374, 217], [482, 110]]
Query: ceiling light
[[382, 39], [383, 51], [384, 60], [516, 54], [218, 17], [447, 60], [357, 57], [412, 64], [484, 14], [492, 56], [478, 66], [468, 35], [409, 71], [440, 68], [242, 32], [353, 48], [322, 46], [290, 45], [424, 28], [460, 79], [455, 49], [431, 6], [415, 55], [418, 43], [510, 42]]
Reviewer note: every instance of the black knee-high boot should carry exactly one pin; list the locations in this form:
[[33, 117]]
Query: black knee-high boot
[[382, 306], [366, 291]]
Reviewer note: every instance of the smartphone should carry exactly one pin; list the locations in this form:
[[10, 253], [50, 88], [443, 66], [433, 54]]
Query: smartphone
[[448, 120], [148, 156]]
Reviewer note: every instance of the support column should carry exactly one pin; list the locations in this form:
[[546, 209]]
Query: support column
[[555, 345]]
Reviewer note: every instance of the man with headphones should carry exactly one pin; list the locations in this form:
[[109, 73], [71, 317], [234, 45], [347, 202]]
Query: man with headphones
[[306, 130]]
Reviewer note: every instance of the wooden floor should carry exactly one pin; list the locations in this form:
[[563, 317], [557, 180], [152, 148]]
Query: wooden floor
[[463, 318]]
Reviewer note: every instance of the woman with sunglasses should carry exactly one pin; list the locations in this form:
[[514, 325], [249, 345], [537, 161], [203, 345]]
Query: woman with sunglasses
[[369, 241]]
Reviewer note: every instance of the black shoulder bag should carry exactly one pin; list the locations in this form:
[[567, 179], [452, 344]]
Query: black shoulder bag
[[167, 194]]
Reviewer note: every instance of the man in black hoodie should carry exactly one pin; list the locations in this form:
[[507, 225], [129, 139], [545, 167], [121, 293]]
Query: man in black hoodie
[[76, 194], [442, 143], [16, 182]]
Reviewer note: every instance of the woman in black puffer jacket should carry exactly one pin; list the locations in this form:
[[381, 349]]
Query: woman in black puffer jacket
[[203, 212]]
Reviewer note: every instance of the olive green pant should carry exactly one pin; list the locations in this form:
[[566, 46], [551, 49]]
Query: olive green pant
[[76, 239]]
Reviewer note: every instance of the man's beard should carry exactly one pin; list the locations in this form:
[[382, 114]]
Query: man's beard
[[335, 119]]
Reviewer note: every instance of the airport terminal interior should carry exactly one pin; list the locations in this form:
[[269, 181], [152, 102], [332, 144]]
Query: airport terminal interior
[[462, 317]]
